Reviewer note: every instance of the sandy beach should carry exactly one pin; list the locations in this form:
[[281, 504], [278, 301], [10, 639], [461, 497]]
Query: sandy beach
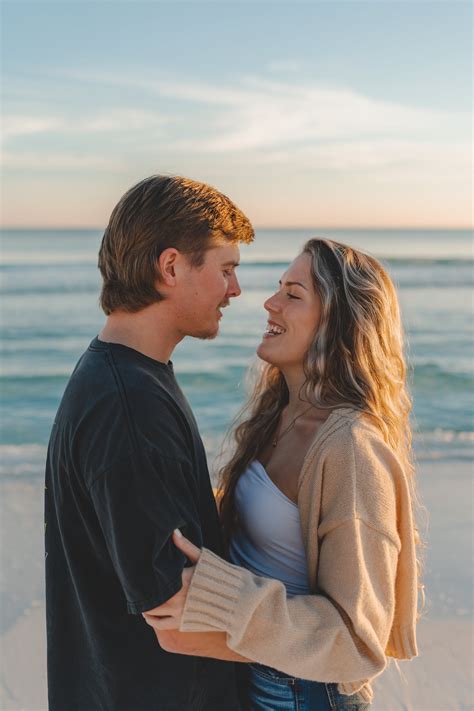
[[440, 679]]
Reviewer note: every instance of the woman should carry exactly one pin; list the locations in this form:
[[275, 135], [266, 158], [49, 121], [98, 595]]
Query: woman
[[317, 499]]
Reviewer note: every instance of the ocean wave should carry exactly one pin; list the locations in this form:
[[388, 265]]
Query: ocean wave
[[192, 372], [86, 259], [439, 435], [81, 278], [40, 259], [28, 460], [395, 261], [430, 261], [14, 376], [14, 450], [57, 290], [22, 460], [430, 375], [439, 444], [265, 287], [426, 374]]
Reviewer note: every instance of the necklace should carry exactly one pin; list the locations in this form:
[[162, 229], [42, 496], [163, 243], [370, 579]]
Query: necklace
[[279, 435]]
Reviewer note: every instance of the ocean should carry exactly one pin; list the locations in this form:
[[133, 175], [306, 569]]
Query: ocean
[[49, 313]]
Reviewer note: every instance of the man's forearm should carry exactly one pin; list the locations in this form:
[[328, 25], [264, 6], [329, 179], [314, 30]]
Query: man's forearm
[[198, 644]]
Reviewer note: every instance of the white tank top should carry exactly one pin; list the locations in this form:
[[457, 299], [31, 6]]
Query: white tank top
[[268, 541]]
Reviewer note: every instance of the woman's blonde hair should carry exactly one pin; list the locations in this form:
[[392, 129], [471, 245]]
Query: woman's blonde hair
[[355, 359]]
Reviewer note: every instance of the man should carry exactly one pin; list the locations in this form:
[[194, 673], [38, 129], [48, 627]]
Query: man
[[126, 465]]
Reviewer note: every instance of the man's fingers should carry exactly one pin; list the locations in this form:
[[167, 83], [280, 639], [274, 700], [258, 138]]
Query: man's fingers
[[189, 549], [164, 610], [161, 623]]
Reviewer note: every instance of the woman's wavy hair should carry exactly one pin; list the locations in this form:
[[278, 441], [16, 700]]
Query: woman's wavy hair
[[355, 359]]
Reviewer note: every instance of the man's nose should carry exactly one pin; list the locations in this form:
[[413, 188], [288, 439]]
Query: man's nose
[[234, 286]]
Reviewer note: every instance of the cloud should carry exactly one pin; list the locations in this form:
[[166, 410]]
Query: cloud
[[15, 125], [267, 114], [259, 114], [380, 154], [257, 121], [53, 161]]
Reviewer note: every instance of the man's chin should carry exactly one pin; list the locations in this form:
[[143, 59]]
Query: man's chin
[[205, 335]]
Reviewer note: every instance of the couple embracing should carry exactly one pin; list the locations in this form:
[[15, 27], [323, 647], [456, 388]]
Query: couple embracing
[[293, 590]]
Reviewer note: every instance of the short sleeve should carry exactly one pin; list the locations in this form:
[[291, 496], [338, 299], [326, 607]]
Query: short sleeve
[[139, 501]]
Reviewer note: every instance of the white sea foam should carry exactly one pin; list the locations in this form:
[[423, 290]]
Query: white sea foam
[[22, 460], [21, 258]]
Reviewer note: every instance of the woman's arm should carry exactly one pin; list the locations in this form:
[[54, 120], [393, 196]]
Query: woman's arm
[[341, 633], [197, 644], [319, 637]]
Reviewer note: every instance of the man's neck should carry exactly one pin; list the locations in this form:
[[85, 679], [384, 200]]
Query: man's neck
[[146, 331]]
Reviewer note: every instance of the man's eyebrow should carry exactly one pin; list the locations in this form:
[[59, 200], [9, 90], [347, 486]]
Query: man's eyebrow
[[294, 283], [231, 264]]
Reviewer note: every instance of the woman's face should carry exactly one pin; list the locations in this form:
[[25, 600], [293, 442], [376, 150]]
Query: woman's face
[[293, 317]]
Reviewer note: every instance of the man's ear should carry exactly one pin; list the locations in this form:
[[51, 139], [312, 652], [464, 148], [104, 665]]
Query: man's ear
[[167, 264]]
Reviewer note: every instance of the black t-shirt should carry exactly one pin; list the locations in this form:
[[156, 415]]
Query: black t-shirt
[[125, 467]]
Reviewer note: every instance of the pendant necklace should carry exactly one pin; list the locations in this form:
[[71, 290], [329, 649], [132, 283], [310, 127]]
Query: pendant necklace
[[290, 427]]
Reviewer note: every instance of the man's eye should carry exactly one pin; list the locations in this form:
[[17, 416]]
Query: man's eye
[[291, 296], [227, 273]]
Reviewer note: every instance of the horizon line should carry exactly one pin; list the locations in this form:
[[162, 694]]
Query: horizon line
[[285, 228]]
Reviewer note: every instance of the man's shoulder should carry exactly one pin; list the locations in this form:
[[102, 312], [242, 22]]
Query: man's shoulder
[[104, 374], [115, 404]]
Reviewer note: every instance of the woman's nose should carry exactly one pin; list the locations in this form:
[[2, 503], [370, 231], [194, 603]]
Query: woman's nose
[[271, 304]]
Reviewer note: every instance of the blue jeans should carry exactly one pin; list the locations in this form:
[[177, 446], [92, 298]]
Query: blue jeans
[[262, 688]]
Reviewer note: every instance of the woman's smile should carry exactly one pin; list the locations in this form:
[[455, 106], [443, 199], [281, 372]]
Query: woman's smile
[[273, 329]]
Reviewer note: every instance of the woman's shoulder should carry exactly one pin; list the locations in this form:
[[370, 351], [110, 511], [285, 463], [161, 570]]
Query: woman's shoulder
[[357, 474], [343, 425], [352, 445]]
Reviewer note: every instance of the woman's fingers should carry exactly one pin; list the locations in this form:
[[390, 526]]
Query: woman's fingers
[[189, 549], [167, 616]]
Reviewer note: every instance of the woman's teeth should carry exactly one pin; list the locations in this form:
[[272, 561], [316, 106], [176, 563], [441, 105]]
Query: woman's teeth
[[272, 330]]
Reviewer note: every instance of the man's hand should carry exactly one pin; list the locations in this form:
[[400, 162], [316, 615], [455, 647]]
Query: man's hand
[[168, 615]]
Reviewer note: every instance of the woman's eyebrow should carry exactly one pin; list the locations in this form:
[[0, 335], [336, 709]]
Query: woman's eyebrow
[[294, 283]]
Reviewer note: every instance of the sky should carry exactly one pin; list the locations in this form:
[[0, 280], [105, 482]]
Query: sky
[[307, 114]]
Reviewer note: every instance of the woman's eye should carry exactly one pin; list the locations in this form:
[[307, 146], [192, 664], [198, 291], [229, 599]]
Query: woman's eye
[[291, 296]]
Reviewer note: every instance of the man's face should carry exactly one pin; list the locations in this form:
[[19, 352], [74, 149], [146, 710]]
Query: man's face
[[208, 289]]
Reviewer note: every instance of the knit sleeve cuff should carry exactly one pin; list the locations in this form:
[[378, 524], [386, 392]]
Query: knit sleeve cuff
[[212, 595], [402, 643]]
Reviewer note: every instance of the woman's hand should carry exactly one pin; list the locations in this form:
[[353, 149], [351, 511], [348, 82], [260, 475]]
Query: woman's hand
[[185, 546], [168, 615], [166, 619]]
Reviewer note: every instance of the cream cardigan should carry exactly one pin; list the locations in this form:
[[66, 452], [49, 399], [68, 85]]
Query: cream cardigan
[[356, 518]]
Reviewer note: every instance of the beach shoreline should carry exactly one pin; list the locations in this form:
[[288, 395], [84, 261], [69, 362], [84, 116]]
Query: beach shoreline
[[439, 680]]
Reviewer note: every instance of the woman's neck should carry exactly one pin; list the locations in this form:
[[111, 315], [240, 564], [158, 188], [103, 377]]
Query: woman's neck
[[295, 380]]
